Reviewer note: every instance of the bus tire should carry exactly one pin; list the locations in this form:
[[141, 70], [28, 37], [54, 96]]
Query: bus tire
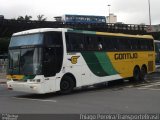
[[143, 72], [136, 74], [66, 85]]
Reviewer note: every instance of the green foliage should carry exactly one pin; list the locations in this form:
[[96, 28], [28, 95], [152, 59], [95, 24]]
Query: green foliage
[[4, 43], [27, 18], [41, 18]]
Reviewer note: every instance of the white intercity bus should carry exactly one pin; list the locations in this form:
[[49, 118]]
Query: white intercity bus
[[59, 59]]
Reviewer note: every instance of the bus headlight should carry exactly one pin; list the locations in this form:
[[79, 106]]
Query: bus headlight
[[38, 80], [35, 80]]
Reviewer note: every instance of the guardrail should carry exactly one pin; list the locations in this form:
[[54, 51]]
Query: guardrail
[[8, 26]]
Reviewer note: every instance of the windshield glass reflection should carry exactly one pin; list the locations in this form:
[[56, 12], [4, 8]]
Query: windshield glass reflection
[[25, 61]]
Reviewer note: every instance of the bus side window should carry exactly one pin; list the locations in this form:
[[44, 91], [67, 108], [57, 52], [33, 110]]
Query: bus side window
[[75, 42], [150, 45], [100, 43], [135, 45], [142, 44], [81, 46], [68, 44], [108, 43], [89, 43], [127, 44], [115, 43], [139, 44], [100, 46], [122, 44], [146, 45], [53, 39], [80, 42]]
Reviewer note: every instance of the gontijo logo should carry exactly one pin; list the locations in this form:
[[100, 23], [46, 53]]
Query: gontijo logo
[[123, 56], [74, 59]]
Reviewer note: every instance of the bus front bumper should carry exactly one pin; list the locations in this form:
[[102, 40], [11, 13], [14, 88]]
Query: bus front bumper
[[26, 87]]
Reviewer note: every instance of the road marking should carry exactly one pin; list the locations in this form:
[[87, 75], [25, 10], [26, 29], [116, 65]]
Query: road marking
[[155, 77], [150, 86], [153, 84], [129, 86], [148, 89], [41, 100], [138, 85], [2, 84]]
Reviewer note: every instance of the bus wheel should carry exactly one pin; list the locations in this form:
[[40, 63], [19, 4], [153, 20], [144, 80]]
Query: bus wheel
[[143, 73], [66, 85], [136, 74]]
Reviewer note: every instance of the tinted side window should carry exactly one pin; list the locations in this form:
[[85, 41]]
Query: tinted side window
[[135, 45], [150, 44], [124, 44], [88, 42], [143, 44], [91, 42], [101, 44], [75, 42], [109, 43], [116, 42], [53, 39], [146, 45]]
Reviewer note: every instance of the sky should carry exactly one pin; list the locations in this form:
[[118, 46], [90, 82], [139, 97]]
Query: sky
[[127, 11]]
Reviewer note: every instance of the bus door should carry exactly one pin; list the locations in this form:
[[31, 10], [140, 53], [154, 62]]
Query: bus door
[[49, 62], [53, 53]]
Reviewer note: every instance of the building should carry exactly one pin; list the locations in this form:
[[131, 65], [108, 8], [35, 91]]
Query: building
[[155, 28], [1, 17], [58, 18], [111, 18]]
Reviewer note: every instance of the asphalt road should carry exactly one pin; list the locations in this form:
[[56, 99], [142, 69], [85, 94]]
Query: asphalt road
[[119, 97]]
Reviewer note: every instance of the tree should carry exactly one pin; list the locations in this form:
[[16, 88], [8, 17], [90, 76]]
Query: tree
[[41, 18], [24, 18], [4, 42], [27, 17], [20, 18]]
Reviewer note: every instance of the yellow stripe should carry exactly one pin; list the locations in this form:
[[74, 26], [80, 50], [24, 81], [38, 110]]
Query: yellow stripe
[[124, 35], [18, 77]]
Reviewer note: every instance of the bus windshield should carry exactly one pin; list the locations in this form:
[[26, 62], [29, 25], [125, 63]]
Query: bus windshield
[[26, 51], [25, 61], [23, 40]]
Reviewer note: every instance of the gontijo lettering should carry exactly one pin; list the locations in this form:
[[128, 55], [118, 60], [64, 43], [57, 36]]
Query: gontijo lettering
[[122, 56]]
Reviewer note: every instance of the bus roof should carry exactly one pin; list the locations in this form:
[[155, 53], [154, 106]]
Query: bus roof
[[126, 35], [111, 34], [41, 30], [38, 30]]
